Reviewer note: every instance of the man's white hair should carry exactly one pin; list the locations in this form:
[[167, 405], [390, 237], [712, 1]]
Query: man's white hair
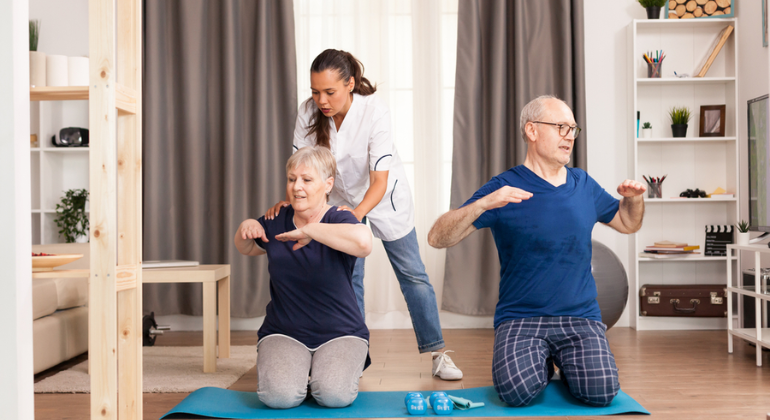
[[533, 111]]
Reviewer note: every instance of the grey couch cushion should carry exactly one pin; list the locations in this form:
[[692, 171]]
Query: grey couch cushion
[[71, 292], [45, 298]]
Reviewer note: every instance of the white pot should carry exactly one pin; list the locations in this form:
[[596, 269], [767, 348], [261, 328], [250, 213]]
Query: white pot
[[56, 70], [77, 71], [37, 65], [741, 238], [647, 133]]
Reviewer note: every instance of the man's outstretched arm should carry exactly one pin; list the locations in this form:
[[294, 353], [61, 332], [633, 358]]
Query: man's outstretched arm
[[629, 217], [455, 225]]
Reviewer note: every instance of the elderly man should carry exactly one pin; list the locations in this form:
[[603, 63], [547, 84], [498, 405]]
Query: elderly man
[[541, 215]]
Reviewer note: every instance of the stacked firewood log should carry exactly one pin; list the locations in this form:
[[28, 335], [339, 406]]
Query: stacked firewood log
[[688, 9]]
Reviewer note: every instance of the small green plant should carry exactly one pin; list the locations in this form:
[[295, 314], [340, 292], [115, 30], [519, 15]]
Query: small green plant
[[34, 34], [679, 115], [647, 125], [71, 217], [652, 3], [743, 226]]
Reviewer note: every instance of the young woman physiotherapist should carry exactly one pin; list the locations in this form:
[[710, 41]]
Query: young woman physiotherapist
[[346, 116]]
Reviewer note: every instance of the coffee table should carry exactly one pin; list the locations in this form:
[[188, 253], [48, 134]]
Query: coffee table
[[213, 278]]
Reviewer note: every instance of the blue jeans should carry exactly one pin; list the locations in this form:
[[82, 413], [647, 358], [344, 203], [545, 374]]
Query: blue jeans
[[404, 256]]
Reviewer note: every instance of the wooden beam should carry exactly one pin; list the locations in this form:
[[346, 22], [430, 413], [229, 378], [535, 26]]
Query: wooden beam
[[126, 277], [102, 311], [129, 171], [125, 99]]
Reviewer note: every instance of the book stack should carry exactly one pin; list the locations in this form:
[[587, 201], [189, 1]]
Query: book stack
[[668, 249]]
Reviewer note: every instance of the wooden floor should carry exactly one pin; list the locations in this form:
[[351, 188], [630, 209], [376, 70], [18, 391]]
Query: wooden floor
[[674, 375]]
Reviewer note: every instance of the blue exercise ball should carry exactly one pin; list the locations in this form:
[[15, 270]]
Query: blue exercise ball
[[611, 283]]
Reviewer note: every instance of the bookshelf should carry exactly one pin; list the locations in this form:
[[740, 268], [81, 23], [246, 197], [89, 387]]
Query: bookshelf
[[55, 169], [760, 334], [690, 162]]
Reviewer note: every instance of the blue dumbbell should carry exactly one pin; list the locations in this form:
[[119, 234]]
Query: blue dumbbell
[[435, 395], [411, 395], [443, 406], [417, 405]]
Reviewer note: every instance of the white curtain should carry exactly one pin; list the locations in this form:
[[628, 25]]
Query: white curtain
[[408, 49]]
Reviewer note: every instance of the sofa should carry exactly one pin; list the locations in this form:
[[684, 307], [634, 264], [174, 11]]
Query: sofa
[[60, 311]]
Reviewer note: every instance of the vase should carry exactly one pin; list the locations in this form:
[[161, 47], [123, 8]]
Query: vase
[[679, 130], [647, 133], [653, 12], [37, 69], [81, 239], [742, 238]]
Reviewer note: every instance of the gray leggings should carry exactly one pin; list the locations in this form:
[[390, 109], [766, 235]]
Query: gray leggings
[[284, 364]]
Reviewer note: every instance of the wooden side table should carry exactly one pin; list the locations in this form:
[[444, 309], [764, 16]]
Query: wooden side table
[[214, 278]]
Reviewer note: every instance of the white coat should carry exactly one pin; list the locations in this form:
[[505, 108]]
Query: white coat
[[364, 143]]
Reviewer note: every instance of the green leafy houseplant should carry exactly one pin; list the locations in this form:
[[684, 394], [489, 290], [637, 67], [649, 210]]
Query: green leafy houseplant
[[646, 125], [743, 226], [679, 115], [652, 3], [71, 217], [34, 34]]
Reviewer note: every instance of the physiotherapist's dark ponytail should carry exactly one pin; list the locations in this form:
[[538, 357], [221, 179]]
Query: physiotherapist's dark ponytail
[[347, 66]]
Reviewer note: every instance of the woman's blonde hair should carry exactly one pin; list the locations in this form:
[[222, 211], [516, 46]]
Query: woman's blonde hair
[[317, 157]]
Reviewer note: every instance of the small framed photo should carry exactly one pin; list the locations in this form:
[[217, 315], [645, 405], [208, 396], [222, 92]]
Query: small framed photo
[[712, 121]]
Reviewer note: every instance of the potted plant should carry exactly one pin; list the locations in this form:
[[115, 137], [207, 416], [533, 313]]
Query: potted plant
[[680, 116], [742, 237], [71, 217], [36, 58], [653, 7], [647, 130]]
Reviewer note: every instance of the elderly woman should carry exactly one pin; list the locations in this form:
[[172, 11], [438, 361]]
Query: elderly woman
[[312, 326]]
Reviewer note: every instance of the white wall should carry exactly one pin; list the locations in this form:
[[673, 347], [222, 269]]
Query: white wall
[[753, 82], [16, 371], [607, 108], [752, 77]]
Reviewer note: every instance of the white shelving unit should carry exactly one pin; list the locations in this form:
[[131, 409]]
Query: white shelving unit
[[760, 335], [55, 169], [689, 162]]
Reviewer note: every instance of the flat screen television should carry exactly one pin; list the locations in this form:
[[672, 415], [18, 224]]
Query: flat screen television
[[759, 164]]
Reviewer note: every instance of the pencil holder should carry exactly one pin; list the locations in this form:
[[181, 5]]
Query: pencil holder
[[654, 190], [654, 71]]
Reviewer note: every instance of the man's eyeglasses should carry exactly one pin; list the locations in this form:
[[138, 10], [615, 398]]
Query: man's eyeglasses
[[564, 129]]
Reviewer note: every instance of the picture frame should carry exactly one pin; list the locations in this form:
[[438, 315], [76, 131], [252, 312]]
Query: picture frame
[[712, 121], [692, 10]]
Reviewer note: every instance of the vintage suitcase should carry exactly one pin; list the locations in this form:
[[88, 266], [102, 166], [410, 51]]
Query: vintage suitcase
[[693, 300]]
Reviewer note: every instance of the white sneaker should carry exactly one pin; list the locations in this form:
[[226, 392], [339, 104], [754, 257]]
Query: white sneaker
[[444, 367]]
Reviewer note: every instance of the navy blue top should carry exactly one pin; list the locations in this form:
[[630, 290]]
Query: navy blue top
[[311, 289], [544, 244]]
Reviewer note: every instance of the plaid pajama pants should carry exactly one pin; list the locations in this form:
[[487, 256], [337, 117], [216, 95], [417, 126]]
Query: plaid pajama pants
[[526, 349]]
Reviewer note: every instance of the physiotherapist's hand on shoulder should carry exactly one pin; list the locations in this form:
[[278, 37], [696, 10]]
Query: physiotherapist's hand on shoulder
[[346, 208], [296, 235], [504, 196], [273, 211], [630, 188]]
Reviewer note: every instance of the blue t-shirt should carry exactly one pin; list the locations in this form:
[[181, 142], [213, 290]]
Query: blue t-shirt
[[544, 244], [311, 289]]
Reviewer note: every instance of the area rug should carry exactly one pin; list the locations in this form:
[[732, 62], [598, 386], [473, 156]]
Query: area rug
[[554, 401], [166, 369]]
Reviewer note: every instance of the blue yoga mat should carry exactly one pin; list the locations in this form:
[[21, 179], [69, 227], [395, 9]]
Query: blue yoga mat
[[556, 400]]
